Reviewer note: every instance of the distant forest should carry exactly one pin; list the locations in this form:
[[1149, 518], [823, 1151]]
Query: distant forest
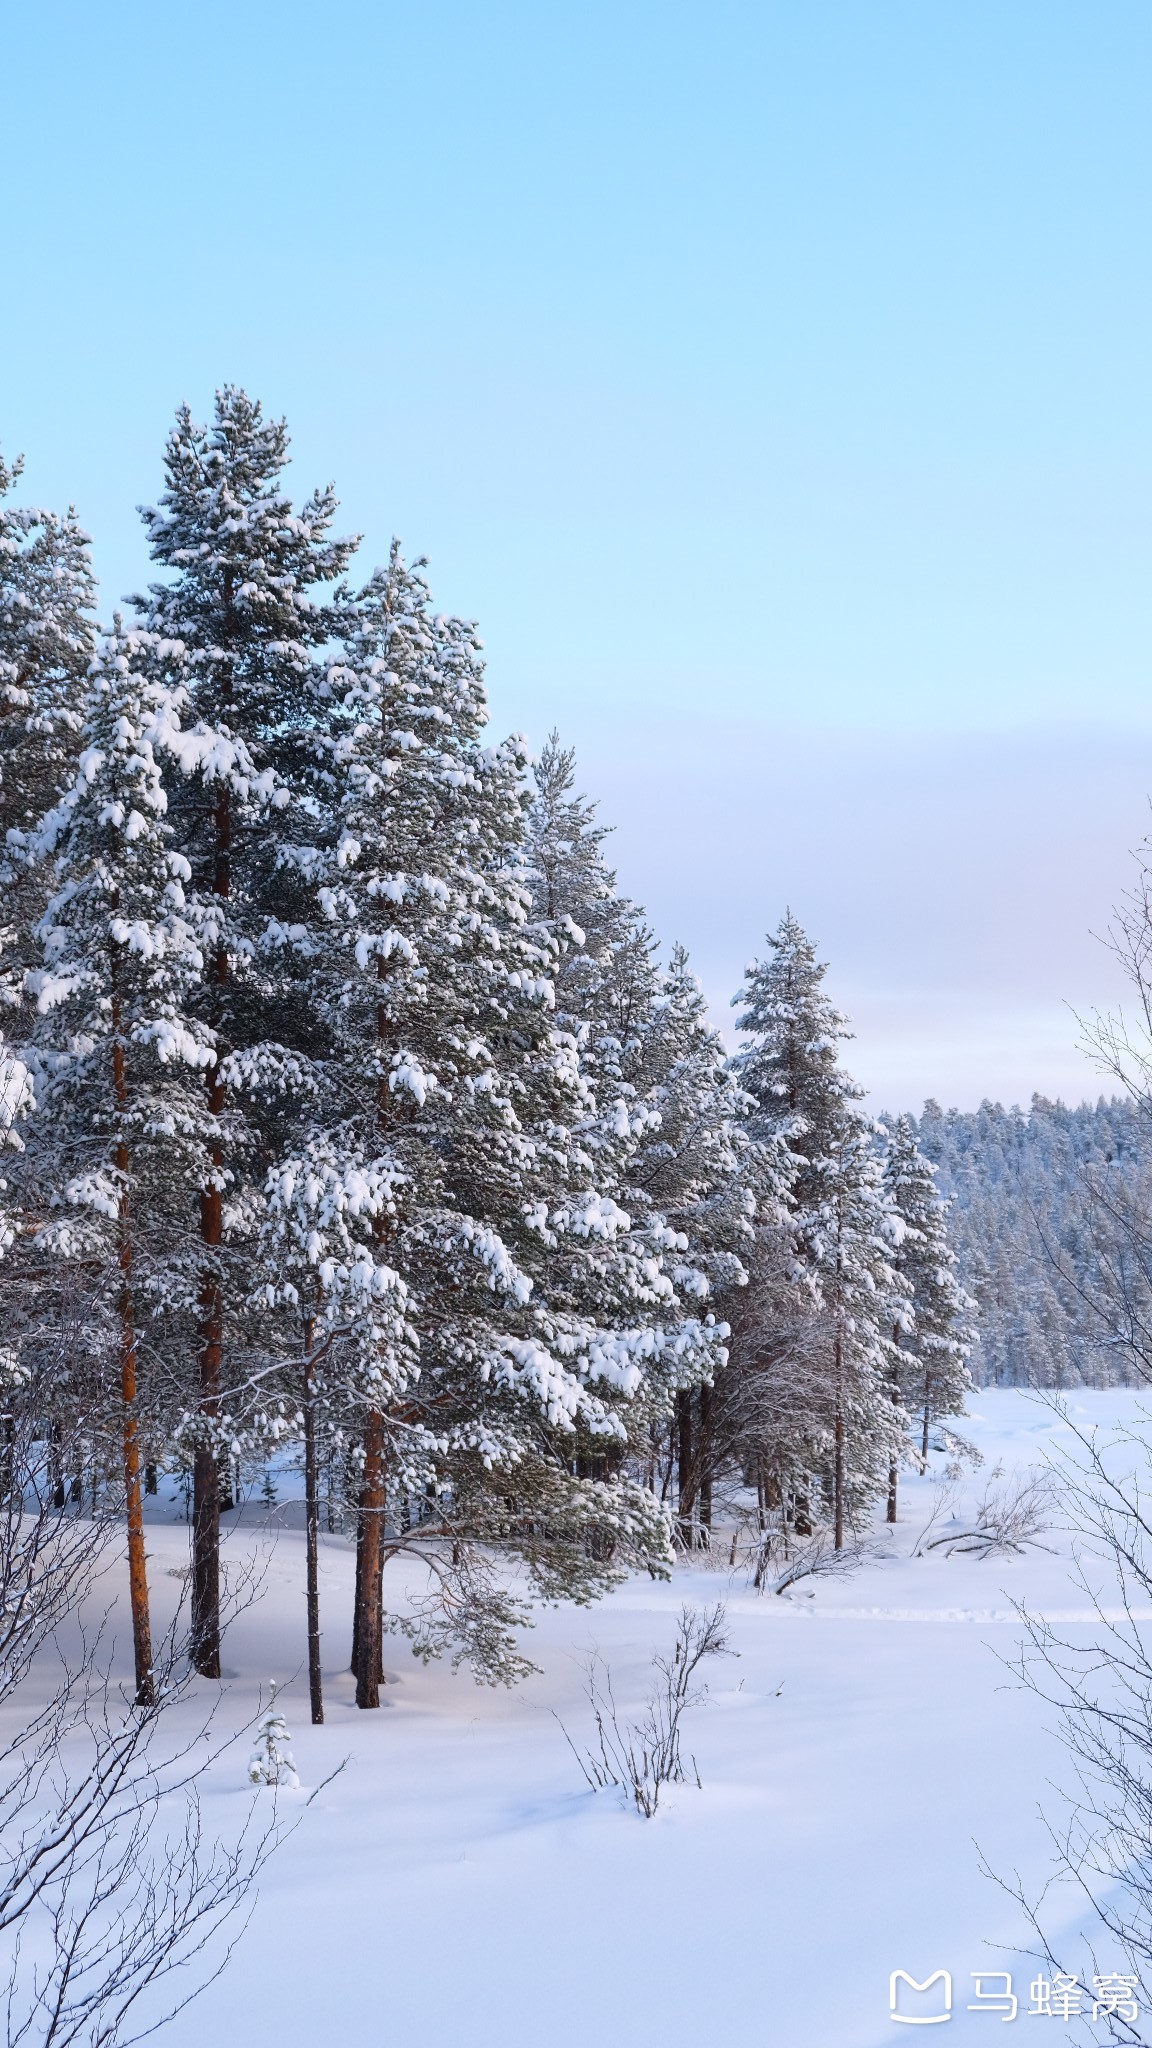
[[1046, 1223]]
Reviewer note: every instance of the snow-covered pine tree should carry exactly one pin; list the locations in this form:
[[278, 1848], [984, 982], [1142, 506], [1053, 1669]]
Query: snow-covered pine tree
[[655, 1061], [930, 1361], [844, 1229], [242, 608], [119, 1146], [696, 1169], [46, 635], [508, 1317]]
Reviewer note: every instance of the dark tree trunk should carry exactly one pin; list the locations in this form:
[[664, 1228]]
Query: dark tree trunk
[[358, 1596], [56, 1463], [368, 1626], [685, 1477], [7, 1455], [206, 1564], [704, 1459], [312, 1536], [130, 1438], [838, 1473], [892, 1471], [205, 1470]]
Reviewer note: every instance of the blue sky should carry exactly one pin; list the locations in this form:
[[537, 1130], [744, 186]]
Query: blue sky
[[770, 381]]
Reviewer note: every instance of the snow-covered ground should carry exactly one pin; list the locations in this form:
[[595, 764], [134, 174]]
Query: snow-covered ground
[[458, 1882]]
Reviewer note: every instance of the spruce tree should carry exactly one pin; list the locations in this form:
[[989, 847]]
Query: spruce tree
[[245, 628]]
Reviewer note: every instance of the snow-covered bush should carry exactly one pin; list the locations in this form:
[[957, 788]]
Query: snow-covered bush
[[271, 1761]]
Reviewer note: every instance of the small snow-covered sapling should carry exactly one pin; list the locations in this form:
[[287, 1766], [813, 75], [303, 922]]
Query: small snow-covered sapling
[[271, 1761]]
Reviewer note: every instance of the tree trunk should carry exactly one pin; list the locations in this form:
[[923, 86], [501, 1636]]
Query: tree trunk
[[358, 1596], [56, 1467], [924, 1440], [205, 1471], [312, 1535], [704, 1457], [368, 1625], [205, 1468], [137, 1560], [684, 1473], [369, 1635], [838, 1475]]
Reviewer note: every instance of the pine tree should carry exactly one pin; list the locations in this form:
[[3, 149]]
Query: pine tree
[[930, 1371], [241, 613], [843, 1227], [121, 1131]]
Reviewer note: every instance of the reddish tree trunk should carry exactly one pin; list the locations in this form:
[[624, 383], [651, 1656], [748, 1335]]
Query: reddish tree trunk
[[369, 1617]]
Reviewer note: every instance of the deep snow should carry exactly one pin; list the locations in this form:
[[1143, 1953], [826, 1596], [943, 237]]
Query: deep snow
[[457, 1882]]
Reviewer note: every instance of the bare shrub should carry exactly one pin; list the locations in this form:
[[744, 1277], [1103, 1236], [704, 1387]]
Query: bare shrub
[[641, 1757], [110, 1885]]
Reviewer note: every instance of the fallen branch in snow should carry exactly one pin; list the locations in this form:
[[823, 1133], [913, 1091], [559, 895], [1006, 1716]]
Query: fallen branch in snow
[[817, 1559], [641, 1757], [1013, 1513]]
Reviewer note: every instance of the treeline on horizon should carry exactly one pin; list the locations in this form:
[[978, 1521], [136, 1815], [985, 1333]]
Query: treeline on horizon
[[1047, 1223], [351, 1114]]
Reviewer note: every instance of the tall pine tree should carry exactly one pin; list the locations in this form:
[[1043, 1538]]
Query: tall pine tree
[[844, 1229], [241, 613], [120, 1142]]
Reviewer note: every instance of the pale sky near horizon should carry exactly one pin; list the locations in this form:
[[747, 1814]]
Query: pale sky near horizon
[[770, 381]]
